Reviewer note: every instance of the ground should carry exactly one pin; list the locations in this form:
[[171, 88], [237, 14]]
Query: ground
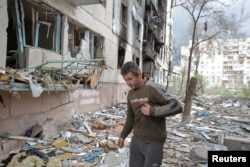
[[91, 139]]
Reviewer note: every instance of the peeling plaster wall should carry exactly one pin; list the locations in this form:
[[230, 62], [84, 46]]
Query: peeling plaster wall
[[3, 33], [20, 114], [52, 109], [26, 111]]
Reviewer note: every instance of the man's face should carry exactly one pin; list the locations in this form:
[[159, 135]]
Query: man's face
[[132, 81]]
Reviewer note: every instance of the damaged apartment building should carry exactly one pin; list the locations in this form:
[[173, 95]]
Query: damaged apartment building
[[60, 58]]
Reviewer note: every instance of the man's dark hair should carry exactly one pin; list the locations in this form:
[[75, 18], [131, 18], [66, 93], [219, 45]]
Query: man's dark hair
[[130, 66]]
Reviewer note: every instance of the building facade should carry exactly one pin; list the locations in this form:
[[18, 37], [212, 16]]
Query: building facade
[[157, 40], [224, 65], [74, 50]]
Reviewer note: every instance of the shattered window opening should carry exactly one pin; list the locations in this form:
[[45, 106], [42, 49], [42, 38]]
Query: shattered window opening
[[85, 44], [121, 56], [34, 50], [124, 15], [137, 28], [31, 24]]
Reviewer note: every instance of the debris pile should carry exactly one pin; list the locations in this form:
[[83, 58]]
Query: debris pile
[[73, 75], [90, 139]]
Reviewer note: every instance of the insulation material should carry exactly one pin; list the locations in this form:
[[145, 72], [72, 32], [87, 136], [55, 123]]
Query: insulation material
[[54, 162], [30, 161], [67, 156], [60, 143], [94, 79]]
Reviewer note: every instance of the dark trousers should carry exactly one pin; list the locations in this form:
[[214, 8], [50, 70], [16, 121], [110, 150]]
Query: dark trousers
[[145, 154]]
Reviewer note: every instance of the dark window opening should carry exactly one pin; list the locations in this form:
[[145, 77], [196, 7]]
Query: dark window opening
[[31, 24], [137, 27], [121, 56], [34, 46], [124, 15], [136, 59]]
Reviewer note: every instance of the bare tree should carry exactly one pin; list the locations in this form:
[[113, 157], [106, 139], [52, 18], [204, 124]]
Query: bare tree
[[210, 19], [170, 71], [183, 73]]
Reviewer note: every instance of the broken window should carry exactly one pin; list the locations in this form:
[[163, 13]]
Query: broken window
[[124, 15], [34, 42], [31, 24], [84, 44], [96, 46], [136, 59], [121, 55], [137, 27]]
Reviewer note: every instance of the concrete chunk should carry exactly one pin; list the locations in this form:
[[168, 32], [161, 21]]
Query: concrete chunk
[[237, 143], [199, 153]]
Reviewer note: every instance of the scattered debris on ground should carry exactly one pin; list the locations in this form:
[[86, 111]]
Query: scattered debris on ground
[[90, 139]]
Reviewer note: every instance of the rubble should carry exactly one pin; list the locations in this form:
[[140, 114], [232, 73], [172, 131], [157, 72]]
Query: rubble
[[90, 139], [49, 77]]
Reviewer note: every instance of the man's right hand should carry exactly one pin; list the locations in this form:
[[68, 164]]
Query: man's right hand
[[120, 142]]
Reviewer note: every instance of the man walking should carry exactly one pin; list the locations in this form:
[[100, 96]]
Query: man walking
[[147, 106]]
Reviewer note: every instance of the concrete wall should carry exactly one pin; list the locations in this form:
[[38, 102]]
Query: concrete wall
[[51, 109], [26, 111], [3, 33], [38, 56]]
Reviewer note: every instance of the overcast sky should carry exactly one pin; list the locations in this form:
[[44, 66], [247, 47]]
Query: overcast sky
[[181, 22]]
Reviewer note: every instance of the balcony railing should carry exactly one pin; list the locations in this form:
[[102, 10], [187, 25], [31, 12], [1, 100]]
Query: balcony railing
[[72, 75]]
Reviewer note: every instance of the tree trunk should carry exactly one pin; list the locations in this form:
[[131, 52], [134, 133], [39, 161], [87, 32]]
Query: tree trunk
[[189, 99]]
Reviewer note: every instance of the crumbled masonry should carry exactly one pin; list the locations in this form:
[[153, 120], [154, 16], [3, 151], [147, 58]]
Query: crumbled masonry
[[90, 139]]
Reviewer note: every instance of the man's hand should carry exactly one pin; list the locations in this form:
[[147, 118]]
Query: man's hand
[[120, 142], [145, 109]]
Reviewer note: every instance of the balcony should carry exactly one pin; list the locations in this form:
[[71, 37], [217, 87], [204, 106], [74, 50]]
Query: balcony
[[55, 75], [85, 2], [148, 51]]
